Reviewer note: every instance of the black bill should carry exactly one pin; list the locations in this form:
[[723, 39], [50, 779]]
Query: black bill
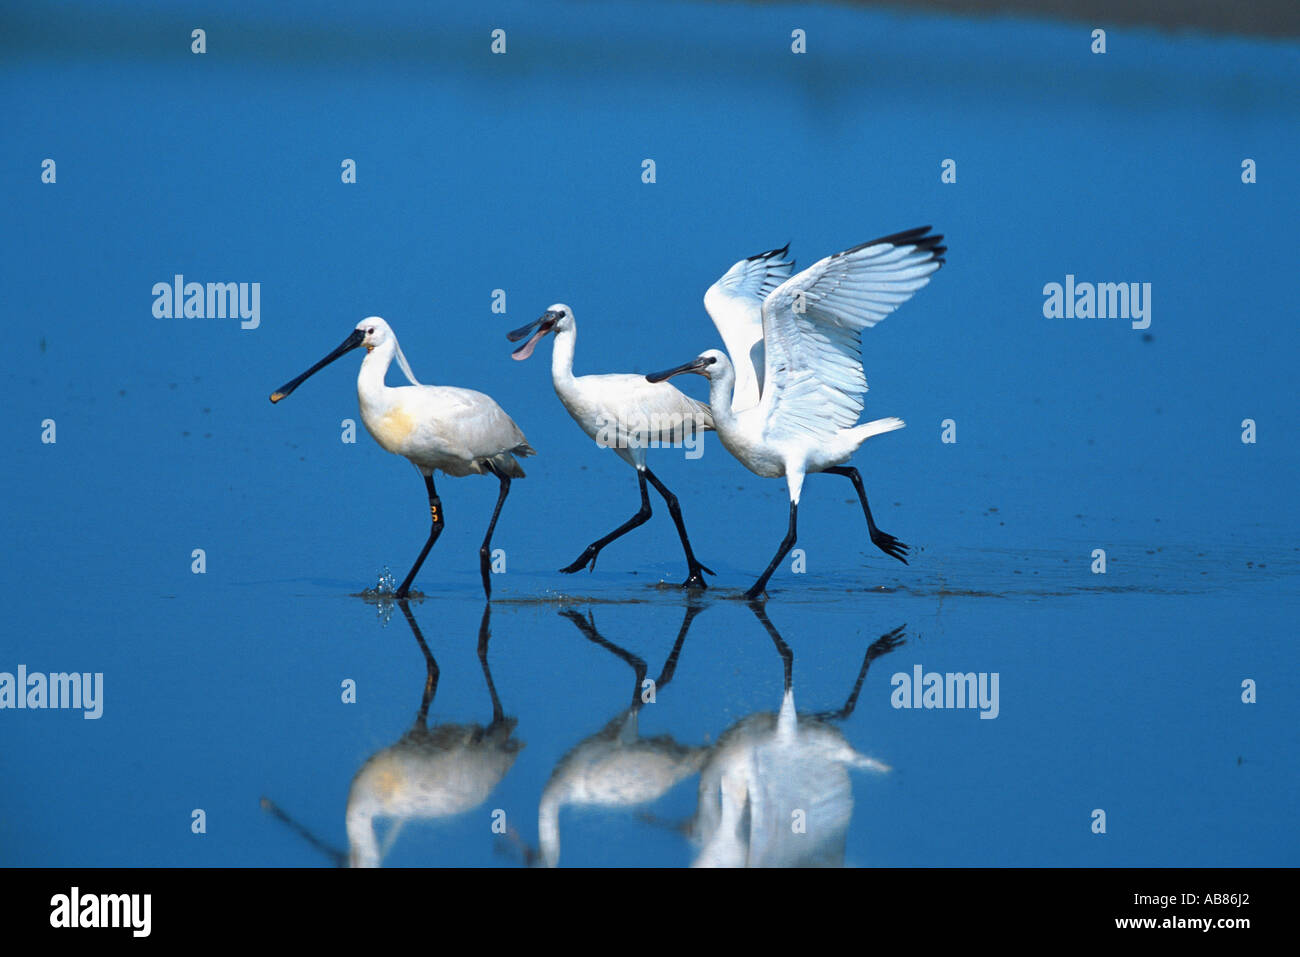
[[348, 344], [697, 366], [544, 324]]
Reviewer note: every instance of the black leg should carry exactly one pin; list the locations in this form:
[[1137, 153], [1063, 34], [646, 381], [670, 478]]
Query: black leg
[[485, 550], [430, 666], [640, 518], [782, 649], [484, 636], [695, 578], [881, 646], [670, 664], [786, 544], [588, 628], [882, 540], [435, 513]]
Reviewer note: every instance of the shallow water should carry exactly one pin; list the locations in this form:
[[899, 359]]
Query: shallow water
[[1118, 691]]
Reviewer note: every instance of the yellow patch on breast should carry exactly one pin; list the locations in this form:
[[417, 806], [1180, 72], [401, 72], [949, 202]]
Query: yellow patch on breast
[[387, 783], [394, 428]]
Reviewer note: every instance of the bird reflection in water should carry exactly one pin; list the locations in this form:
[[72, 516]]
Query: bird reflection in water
[[431, 772], [616, 767], [775, 791]]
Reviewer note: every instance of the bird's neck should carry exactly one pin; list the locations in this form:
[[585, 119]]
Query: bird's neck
[[363, 846], [548, 828], [562, 358], [721, 388], [370, 382]]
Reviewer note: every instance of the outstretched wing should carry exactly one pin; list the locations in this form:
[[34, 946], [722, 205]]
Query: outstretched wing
[[735, 304], [813, 322]]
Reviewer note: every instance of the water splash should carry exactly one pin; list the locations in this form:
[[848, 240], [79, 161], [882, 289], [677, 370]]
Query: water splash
[[381, 593]]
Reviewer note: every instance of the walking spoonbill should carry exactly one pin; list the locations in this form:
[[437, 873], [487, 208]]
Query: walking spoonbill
[[625, 413], [460, 431], [769, 770], [812, 384], [616, 767], [433, 771]]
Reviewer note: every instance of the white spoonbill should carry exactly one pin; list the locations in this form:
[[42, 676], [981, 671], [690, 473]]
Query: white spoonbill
[[812, 383], [769, 769], [616, 767], [623, 412], [433, 771], [459, 431]]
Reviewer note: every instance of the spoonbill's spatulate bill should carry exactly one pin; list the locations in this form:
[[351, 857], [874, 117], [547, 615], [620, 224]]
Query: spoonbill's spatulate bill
[[626, 413], [812, 382], [459, 431]]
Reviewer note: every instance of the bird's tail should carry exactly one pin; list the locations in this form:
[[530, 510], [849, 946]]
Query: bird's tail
[[505, 463], [860, 433], [864, 763]]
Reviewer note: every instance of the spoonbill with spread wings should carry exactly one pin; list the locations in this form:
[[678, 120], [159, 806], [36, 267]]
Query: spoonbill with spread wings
[[809, 395]]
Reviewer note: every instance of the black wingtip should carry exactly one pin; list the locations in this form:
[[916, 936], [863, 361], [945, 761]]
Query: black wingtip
[[770, 254], [909, 237]]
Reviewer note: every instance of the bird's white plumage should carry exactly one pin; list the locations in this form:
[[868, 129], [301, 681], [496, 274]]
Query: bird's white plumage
[[457, 431], [430, 773], [613, 768], [763, 771], [812, 324], [806, 417], [735, 304], [621, 411], [626, 413], [760, 440], [454, 430]]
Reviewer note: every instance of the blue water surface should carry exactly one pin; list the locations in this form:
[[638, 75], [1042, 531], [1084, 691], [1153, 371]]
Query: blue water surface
[[1120, 692]]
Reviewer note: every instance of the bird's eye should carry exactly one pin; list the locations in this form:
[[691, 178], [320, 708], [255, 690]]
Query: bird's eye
[[710, 360], [370, 331]]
